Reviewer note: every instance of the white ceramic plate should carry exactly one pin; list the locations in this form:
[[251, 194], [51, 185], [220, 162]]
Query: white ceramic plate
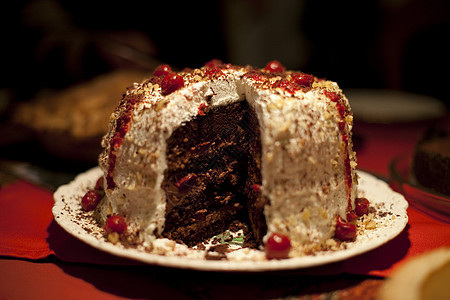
[[390, 220], [392, 106]]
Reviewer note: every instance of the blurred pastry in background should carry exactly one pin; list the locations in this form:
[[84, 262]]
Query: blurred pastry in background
[[423, 277], [431, 159], [70, 123]]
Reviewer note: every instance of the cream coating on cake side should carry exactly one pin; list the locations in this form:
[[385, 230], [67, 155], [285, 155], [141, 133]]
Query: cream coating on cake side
[[303, 169]]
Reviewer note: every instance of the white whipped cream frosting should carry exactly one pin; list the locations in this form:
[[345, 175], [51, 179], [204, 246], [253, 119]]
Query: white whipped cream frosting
[[303, 153]]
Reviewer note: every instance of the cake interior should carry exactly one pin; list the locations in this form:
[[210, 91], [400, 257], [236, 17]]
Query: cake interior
[[213, 176]]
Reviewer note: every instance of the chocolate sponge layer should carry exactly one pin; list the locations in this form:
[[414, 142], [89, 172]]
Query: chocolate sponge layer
[[213, 175]]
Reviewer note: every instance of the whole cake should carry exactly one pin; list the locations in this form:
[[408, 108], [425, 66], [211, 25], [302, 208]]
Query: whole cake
[[191, 154]]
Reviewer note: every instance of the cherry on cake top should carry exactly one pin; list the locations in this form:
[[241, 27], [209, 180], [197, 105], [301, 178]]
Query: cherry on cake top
[[273, 75], [171, 83], [275, 67], [162, 70]]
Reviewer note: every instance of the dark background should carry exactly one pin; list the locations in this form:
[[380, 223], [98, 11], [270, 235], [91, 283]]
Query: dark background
[[398, 44]]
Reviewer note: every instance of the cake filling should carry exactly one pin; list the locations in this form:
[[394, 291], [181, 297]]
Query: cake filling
[[213, 176]]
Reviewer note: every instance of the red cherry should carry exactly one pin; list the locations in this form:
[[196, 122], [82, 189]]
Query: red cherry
[[185, 182], [171, 83], [99, 184], [275, 67], [256, 187], [213, 63], [303, 79], [361, 206], [345, 231], [202, 109], [351, 216], [115, 223], [90, 200], [277, 246], [162, 70]]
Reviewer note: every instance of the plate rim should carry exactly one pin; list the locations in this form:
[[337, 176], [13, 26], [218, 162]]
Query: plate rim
[[88, 178]]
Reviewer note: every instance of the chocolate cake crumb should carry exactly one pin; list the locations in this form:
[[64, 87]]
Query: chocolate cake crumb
[[249, 241], [383, 214], [222, 248], [209, 256], [201, 246], [218, 252]]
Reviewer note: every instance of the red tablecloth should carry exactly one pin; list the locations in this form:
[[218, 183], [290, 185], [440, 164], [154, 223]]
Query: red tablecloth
[[28, 234]]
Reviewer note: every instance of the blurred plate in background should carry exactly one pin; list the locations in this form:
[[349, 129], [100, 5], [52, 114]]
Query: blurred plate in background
[[390, 106]]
